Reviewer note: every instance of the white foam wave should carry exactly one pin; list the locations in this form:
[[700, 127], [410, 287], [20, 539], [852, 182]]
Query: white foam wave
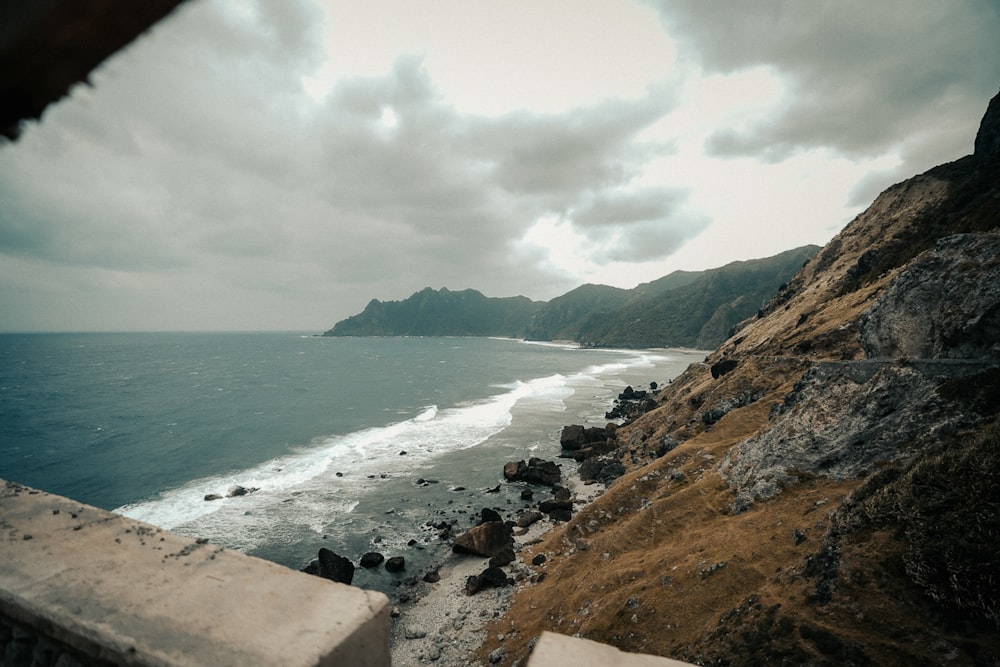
[[312, 471]]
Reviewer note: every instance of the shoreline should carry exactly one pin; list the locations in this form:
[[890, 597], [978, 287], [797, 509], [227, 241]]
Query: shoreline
[[442, 625]]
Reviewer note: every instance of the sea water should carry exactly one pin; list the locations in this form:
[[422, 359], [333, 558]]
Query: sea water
[[353, 444]]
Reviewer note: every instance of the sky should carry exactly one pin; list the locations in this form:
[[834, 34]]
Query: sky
[[265, 165]]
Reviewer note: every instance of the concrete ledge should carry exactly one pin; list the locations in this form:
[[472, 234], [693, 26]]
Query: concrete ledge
[[119, 591], [555, 650]]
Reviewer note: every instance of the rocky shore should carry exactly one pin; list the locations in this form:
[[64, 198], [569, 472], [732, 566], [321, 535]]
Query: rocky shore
[[440, 612], [442, 624]]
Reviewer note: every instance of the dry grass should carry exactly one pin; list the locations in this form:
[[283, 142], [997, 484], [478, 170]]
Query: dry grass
[[898, 569]]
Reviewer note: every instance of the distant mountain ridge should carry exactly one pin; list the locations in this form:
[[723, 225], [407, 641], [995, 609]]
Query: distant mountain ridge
[[441, 313], [682, 309]]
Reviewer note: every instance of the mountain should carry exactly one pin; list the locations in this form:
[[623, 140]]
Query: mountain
[[825, 488], [686, 309], [683, 309], [441, 313]]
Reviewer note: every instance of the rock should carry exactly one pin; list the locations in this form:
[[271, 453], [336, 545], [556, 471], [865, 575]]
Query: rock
[[335, 567], [489, 515], [538, 559], [535, 471], [560, 493], [944, 305], [839, 420], [503, 557], [432, 577], [483, 540], [371, 559], [395, 564], [987, 143], [414, 633], [571, 437], [547, 506], [238, 491], [497, 655], [528, 518], [722, 367], [604, 469], [561, 515], [213, 496], [491, 577], [527, 494]]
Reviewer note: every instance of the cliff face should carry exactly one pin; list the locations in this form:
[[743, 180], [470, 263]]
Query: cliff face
[[834, 495]]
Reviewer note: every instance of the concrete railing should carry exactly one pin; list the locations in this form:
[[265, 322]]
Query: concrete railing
[[82, 586], [79, 585]]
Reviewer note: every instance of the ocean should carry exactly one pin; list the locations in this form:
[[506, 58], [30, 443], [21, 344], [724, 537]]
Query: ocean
[[354, 444]]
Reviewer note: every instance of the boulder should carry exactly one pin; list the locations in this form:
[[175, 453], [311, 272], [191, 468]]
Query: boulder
[[485, 540], [572, 437], [528, 518], [371, 559], [604, 469], [491, 577], [335, 567], [547, 506], [722, 367], [395, 564], [535, 471], [489, 515], [561, 515], [503, 557]]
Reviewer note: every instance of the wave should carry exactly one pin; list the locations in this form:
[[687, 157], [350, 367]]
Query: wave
[[299, 491], [337, 462]]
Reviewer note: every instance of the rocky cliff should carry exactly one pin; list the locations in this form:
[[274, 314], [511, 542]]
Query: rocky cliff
[[825, 488]]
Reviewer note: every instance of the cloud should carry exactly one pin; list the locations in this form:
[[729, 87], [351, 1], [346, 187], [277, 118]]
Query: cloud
[[640, 226], [863, 78], [201, 153]]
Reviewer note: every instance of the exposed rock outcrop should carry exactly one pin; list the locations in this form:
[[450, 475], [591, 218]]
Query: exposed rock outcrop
[[944, 304]]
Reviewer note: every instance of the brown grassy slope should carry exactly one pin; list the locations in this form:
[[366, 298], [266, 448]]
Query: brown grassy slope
[[661, 564]]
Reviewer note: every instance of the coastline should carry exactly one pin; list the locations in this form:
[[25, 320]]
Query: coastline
[[438, 623], [441, 624]]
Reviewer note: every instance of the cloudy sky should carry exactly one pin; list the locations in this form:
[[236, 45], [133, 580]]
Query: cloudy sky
[[275, 165]]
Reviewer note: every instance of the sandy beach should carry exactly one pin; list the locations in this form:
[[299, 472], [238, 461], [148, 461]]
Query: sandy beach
[[441, 624]]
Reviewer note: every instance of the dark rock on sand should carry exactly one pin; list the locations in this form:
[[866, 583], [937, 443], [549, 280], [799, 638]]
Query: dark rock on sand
[[534, 471], [485, 540], [491, 577]]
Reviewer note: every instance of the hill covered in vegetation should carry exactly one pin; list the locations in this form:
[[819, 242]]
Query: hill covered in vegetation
[[684, 309]]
